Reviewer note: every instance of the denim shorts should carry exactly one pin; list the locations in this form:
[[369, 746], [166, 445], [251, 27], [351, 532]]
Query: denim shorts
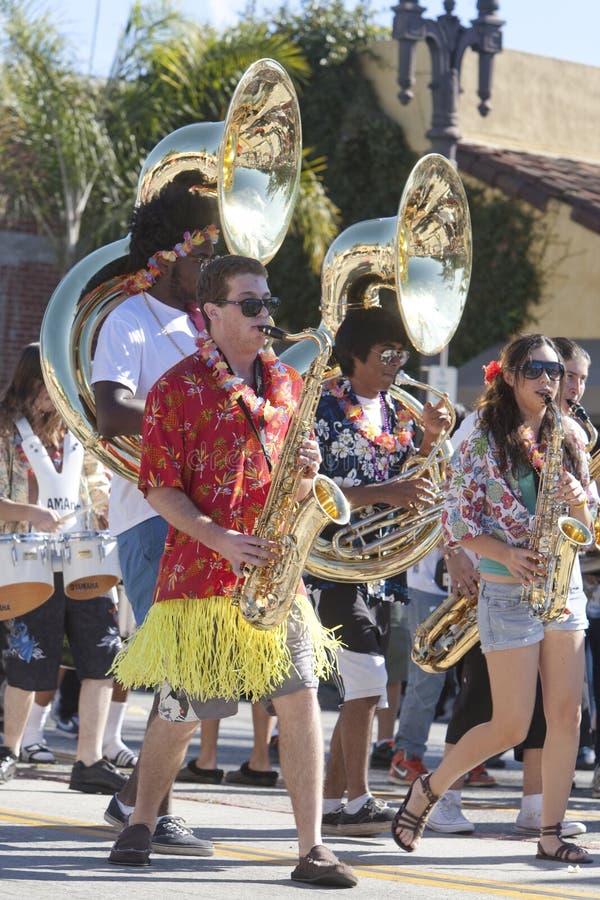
[[505, 623], [179, 706], [140, 552]]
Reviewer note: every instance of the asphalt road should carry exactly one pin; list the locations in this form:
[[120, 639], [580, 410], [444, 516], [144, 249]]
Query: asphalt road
[[54, 842]]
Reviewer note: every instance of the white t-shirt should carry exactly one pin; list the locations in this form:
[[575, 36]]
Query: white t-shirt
[[139, 341]]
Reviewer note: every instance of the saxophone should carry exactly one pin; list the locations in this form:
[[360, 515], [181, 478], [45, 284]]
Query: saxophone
[[267, 593], [556, 536], [444, 637]]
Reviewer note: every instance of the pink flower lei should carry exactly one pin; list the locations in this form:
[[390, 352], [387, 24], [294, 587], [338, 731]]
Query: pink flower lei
[[533, 448], [276, 411], [353, 412], [143, 279]]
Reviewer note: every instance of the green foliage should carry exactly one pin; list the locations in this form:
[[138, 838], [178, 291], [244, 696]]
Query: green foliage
[[507, 278]]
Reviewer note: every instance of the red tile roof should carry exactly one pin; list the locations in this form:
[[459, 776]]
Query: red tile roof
[[536, 179]]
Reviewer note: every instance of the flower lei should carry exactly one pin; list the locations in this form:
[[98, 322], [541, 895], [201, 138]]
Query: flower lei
[[491, 371], [532, 447], [354, 413], [143, 279], [276, 411]]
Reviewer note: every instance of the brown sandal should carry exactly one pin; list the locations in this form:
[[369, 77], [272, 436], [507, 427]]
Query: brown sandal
[[405, 819], [566, 853]]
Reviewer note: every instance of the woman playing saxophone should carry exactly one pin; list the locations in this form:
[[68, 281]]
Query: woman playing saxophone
[[490, 509]]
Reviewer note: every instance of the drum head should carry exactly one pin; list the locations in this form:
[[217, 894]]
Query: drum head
[[91, 586], [21, 598]]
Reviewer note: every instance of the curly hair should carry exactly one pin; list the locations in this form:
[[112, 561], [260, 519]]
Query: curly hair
[[160, 223], [499, 413]]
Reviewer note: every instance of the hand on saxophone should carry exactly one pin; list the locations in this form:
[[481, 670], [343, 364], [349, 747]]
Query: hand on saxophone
[[245, 550], [309, 456], [571, 491], [463, 574], [525, 564]]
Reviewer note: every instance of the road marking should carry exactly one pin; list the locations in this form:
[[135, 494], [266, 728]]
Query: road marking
[[398, 874]]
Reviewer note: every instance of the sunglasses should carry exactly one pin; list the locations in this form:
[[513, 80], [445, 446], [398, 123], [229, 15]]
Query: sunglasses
[[535, 368], [252, 306], [394, 357]]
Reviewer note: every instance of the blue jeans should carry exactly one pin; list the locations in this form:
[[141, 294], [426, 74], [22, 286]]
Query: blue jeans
[[140, 551], [423, 689]]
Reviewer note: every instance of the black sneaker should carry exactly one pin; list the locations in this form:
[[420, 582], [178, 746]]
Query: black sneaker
[[114, 815], [330, 821], [321, 866], [382, 755], [373, 817], [8, 764], [132, 847], [172, 836], [99, 778]]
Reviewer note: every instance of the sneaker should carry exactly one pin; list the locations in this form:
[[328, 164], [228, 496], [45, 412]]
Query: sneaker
[[132, 847], [382, 755], [114, 815], [373, 817], [596, 782], [70, 727], [321, 866], [330, 821], [479, 777], [586, 759], [405, 768], [99, 778], [531, 823], [172, 836], [447, 817], [8, 764], [37, 753]]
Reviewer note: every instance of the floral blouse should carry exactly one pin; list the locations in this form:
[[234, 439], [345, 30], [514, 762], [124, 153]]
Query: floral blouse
[[197, 438], [351, 459], [482, 498]]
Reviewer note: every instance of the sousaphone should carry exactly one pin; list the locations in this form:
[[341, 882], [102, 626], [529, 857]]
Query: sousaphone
[[251, 163], [424, 255]]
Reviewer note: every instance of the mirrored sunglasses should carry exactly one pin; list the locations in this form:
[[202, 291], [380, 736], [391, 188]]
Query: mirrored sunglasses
[[252, 306], [394, 357], [535, 368]]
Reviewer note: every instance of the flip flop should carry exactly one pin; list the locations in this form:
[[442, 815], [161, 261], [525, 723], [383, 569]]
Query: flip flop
[[246, 775]]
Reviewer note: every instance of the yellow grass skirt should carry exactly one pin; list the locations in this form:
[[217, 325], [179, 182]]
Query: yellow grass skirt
[[206, 648]]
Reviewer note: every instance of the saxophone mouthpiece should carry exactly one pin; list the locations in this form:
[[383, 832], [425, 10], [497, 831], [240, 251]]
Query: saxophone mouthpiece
[[578, 411], [273, 332]]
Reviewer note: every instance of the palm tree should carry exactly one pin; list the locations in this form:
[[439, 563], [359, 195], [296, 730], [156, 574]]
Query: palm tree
[[71, 147]]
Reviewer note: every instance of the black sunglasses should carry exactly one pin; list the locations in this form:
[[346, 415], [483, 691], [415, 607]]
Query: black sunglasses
[[251, 306], [534, 368]]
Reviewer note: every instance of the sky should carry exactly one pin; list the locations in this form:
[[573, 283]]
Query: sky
[[545, 27]]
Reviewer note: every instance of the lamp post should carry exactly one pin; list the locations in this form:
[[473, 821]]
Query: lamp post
[[447, 40]]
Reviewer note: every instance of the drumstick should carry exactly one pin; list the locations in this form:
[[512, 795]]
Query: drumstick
[[75, 513]]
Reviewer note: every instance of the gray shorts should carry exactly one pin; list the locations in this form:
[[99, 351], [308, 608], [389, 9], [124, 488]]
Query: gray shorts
[[179, 706], [505, 623]]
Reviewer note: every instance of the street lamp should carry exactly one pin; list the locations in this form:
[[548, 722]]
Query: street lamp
[[447, 40]]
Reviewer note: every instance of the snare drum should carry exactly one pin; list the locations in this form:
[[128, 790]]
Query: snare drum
[[90, 563], [26, 579]]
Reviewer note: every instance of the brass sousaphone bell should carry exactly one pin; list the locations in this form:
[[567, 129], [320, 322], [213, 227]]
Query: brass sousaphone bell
[[424, 256], [251, 163]]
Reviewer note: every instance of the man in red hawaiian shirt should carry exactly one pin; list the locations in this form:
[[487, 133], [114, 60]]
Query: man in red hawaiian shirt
[[214, 427]]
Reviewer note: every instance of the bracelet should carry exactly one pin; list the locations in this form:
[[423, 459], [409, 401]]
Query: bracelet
[[579, 505]]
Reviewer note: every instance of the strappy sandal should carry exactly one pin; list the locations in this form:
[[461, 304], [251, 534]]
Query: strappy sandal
[[566, 853], [405, 819]]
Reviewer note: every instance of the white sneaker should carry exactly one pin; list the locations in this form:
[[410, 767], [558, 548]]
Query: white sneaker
[[532, 822], [447, 817]]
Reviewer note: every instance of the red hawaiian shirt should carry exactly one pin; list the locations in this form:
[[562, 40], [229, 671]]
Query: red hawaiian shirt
[[196, 437]]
